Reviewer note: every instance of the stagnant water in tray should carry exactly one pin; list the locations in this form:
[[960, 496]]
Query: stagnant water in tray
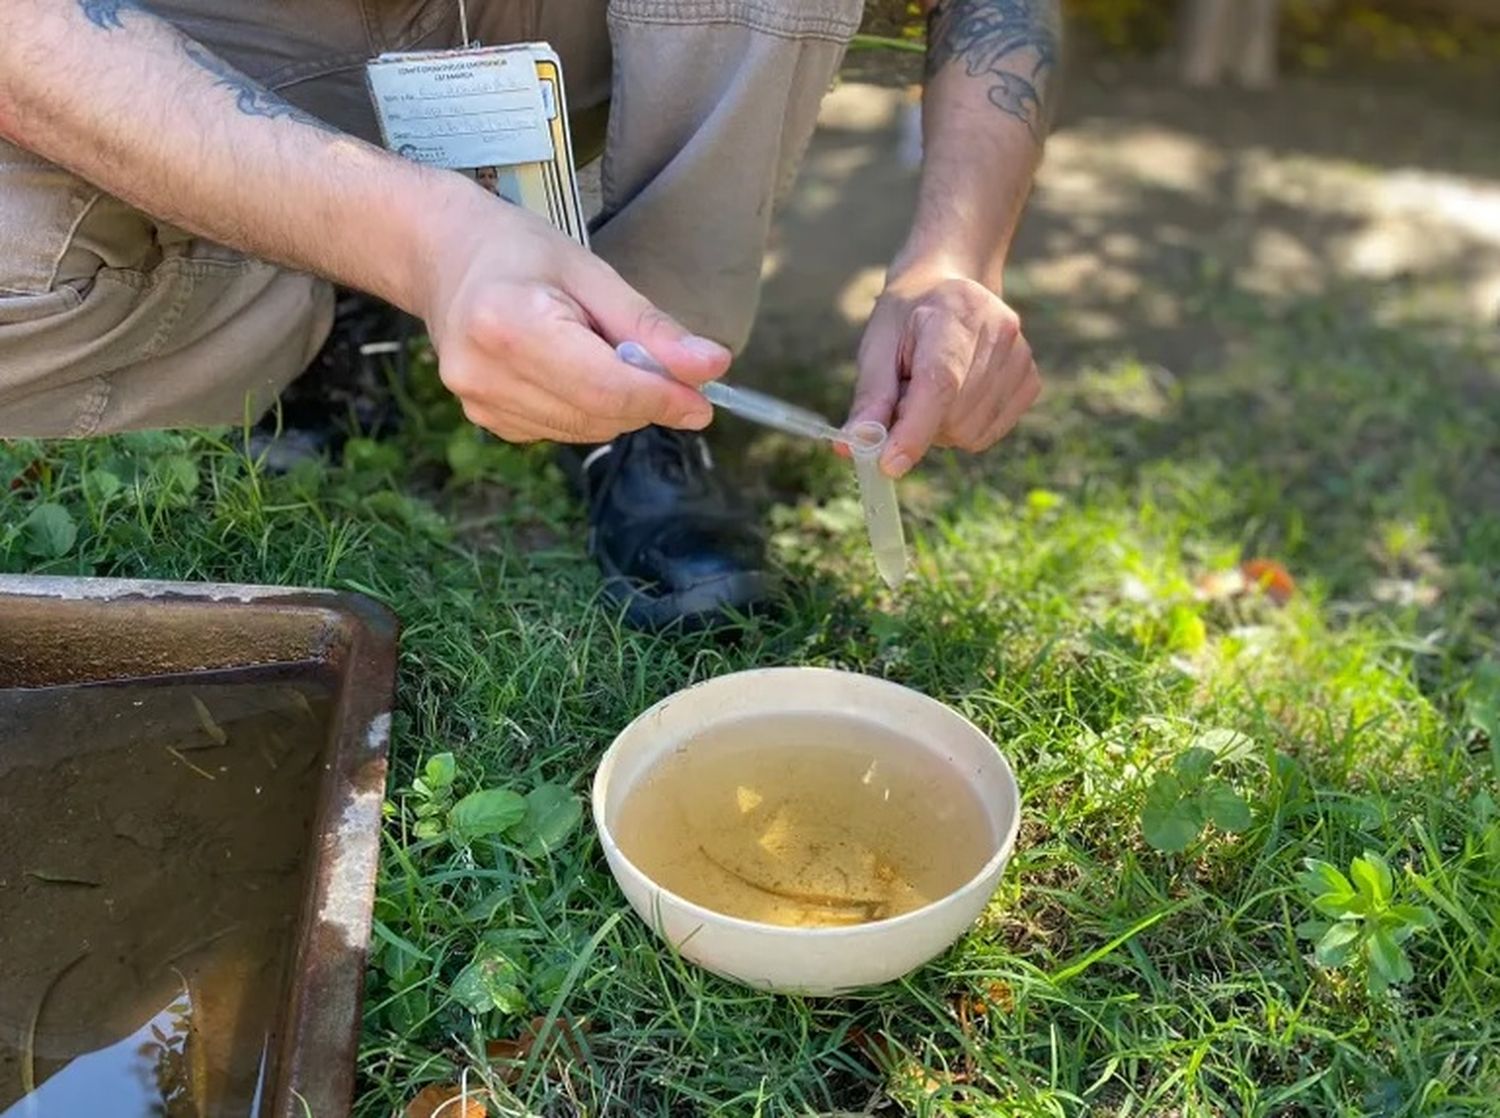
[[152, 856]]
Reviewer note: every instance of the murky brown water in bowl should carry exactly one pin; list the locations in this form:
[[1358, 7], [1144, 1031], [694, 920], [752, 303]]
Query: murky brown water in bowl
[[805, 820], [152, 859]]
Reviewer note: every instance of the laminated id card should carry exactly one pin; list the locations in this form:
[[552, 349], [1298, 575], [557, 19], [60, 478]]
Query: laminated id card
[[497, 114]]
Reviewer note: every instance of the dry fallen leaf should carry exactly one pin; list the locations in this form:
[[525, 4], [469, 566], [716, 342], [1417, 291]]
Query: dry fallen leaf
[[999, 995], [28, 477], [206, 720], [1271, 577], [971, 1009], [512, 1053], [890, 1059], [920, 1077], [443, 1100], [508, 1051], [879, 1050], [996, 995]]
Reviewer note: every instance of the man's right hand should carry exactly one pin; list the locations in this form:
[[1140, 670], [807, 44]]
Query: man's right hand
[[525, 322]]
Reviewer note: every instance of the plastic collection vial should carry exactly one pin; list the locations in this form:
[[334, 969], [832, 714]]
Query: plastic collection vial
[[878, 494]]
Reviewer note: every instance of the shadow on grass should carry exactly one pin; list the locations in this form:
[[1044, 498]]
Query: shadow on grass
[[1267, 305]]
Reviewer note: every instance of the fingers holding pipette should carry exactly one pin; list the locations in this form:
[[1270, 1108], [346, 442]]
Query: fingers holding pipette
[[621, 314]]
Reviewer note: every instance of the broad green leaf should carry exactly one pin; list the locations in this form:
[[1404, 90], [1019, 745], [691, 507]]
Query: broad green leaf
[[1288, 773], [1414, 916], [549, 980], [1338, 944], [1193, 766], [1372, 877], [428, 829], [1226, 807], [408, 1010], [1042, 500], [408, 512], [1340, 905], [483, 910], [1225, 744], [179, 474], [102, 484], [399, 960], [552, 812], [1323, 878], [465, 453], [480, 814], [440, 770], [1484, 707], [307, 476], [1186, 631], [152, 444], [49, 531], [1388, 958], [368, 456], [1171, 828], [490, 981], [510, 940], [1484, 699], [1164, 791], [1312, 929]]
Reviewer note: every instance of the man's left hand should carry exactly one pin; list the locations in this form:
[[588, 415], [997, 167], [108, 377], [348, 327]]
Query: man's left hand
[[943, 363]]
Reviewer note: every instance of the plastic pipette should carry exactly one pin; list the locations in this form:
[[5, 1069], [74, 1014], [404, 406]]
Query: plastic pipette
[[746, 403], [865, 440], [878, 494]]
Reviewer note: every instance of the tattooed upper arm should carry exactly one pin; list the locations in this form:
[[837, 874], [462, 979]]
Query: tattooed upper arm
[[1011, 43]]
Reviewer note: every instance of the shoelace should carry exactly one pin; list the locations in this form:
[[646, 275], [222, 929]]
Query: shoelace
[[370, 330]]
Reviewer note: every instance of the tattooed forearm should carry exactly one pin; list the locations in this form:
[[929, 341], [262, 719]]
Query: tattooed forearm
[[250, 97], [106, 13], [1010, 43]]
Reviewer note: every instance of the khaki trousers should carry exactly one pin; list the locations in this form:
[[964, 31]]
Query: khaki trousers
[[111, 320]]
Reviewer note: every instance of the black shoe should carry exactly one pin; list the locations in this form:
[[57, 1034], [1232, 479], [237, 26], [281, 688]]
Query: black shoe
[[672, 544], [346, 390]]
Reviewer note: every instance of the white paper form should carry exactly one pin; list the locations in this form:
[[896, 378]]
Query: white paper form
[[462, 109]]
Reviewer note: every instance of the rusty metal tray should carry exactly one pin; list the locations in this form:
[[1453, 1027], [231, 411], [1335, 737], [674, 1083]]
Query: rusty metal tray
[[63, 630]]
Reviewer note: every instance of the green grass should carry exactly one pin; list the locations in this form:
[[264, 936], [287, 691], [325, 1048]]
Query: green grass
[[1054, 603]]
